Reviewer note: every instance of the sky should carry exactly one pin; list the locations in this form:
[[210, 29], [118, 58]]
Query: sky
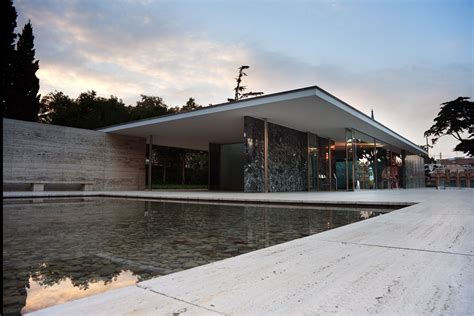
[[400, 58]]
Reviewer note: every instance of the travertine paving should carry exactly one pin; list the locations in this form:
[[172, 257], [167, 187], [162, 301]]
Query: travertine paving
[[417, 260]]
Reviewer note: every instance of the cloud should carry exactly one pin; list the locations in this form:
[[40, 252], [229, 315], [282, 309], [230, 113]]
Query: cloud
[[405, 99], [128, 48]]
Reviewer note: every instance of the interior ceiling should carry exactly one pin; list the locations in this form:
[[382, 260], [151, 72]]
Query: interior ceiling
[[309, 113]]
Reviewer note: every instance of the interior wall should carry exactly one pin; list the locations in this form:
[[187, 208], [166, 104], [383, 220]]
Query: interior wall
[[232, 167], [34, 151], [214, 166]]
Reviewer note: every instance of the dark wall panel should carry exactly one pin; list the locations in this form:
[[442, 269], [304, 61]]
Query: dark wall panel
[[214, 166], [287, 159], [254, 155]]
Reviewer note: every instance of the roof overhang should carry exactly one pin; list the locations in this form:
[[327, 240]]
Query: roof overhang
[[309, 110]]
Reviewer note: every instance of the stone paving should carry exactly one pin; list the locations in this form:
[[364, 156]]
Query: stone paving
[[416, 260]]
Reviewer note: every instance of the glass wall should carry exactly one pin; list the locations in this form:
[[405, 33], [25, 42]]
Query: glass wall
[[312, 162], [364, 161], [320, 163], [340, 165], [349, 160], [389, 165], [358, 162]]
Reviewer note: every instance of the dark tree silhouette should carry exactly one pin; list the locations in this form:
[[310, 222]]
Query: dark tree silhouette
[[455, 118], [190, 105], [149, 106], [25, 85], [8, 24], [87, 111], [239, 89]]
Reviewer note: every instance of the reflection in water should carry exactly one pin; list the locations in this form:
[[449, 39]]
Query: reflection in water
[[39, 295], [56, 252]]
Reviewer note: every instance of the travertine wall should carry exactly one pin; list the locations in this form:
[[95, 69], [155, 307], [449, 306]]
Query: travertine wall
[[33, 151]]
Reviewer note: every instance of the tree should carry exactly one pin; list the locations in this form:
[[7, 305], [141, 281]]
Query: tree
[[87, 111], [8, 25], [19, 84], [25, 101], [455, 118], [240, 89], [190, 105], [149, 106]]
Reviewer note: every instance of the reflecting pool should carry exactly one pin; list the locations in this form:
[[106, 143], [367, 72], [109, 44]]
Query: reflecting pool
[[57, 250]]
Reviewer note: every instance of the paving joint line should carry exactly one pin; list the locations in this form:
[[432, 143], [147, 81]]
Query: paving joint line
[[178, 299], [399, 248]]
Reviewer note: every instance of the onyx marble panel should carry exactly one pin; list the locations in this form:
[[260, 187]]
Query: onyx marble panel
[[254, 155], [287, 159]]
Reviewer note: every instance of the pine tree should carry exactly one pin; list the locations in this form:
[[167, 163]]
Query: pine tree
[[25, 100], [8, 25]]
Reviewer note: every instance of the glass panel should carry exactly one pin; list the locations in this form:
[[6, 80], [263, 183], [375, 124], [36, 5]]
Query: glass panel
[[332, 164], [340, 162], [349, 160], [364, 161], [313, 162], [389, 164], [414, 172], [323, 164]]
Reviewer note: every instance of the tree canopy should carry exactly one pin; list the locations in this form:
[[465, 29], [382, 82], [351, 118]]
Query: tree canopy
[[455, 118], [87, 111], [91, 111], [190, 105]]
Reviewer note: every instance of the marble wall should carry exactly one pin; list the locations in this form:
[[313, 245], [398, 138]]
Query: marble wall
[[254, 155], [287, 158]]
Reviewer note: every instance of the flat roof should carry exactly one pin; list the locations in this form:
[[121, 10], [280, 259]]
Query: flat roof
[[309, 109]]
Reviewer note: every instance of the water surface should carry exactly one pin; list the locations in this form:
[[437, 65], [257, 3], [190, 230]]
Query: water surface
[[63, 249]]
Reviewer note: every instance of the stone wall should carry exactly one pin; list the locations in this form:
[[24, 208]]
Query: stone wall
[[33, 151], [254, 155], [287, 158]]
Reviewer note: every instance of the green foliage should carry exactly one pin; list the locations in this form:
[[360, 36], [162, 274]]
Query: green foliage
[[19, 84], [87, 111], [190, 105], [170, 162], [149, 106], [90, 111], [455, 118]]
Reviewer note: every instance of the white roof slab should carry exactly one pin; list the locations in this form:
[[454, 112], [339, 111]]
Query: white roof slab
[[308, 109]]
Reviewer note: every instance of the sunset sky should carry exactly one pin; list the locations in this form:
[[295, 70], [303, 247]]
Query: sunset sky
[[400, 58]]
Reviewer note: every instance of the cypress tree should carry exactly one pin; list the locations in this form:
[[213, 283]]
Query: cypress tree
[[25, 101], [8, 24]]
